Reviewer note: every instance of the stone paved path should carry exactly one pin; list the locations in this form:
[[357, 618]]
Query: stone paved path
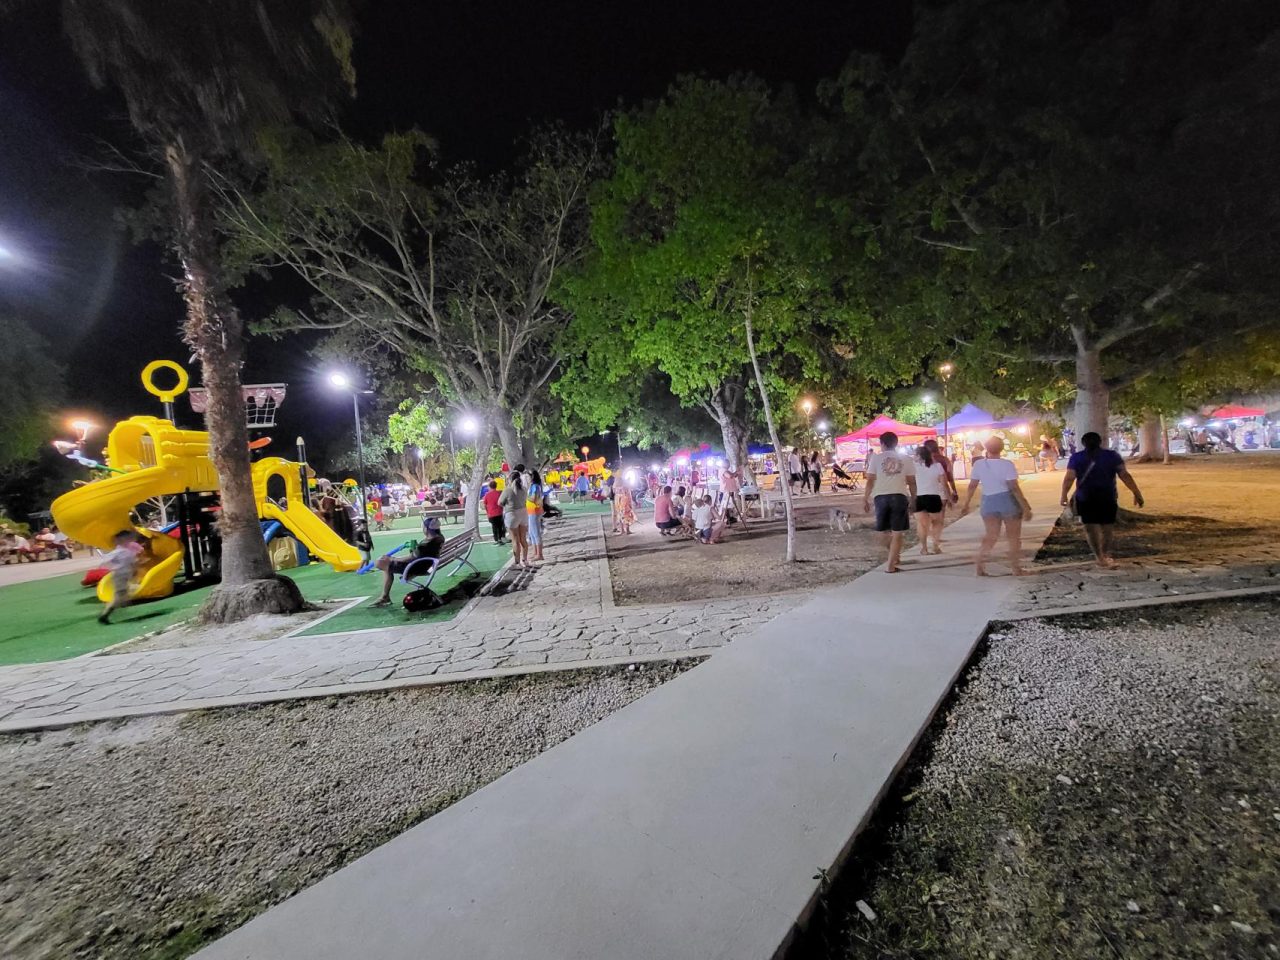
[[560, 617], [1058, 586]]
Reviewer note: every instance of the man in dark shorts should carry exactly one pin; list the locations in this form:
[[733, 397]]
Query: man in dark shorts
[[1094, 471], [892, 475], [392, 566]]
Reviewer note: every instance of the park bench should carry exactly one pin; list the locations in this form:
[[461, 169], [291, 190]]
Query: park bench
[[456, 551], [442, 512]]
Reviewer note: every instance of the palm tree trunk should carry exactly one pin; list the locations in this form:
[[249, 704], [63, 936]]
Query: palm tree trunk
[[773, 429], [214, 331]]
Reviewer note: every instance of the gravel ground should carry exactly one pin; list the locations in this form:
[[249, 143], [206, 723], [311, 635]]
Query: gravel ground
[[1103, 785], [143, 839]]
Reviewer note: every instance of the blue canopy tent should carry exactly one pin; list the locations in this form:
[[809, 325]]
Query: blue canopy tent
[[759, 449], [970, 417], [707, 453]]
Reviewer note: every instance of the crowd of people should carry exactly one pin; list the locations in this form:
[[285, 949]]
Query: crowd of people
[[49, 543]]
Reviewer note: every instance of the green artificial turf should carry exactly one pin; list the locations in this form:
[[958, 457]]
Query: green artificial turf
[[55, 619]]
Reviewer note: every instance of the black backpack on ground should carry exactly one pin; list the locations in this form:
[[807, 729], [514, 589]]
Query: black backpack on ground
[[416, 601]]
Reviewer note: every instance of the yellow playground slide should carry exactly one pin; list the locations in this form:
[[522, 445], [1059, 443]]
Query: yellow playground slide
[[290, 508], [159, 459]]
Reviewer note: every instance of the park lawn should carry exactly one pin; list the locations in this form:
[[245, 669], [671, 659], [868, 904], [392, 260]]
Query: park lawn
[[56, 619]]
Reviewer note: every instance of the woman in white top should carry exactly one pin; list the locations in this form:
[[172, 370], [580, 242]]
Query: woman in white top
[[931, 489], [1003, 502]]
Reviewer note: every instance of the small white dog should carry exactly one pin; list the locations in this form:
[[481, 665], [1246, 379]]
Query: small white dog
[[838, 519]]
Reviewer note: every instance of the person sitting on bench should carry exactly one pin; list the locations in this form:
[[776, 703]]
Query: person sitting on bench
[[429, 546]]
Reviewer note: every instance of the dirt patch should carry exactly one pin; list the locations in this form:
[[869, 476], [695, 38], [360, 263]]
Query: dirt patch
[[648, 568], [143, 839], [1101, 786], [1221, 507]]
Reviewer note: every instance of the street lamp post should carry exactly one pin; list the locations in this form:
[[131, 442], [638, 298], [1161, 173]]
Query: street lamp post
[[343, 382], [617, 435], [945, 371]]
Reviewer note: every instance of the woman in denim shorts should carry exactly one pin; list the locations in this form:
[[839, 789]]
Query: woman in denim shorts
[[1003, 504]]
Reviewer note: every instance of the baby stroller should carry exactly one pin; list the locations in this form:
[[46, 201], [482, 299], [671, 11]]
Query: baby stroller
[[841, 479]]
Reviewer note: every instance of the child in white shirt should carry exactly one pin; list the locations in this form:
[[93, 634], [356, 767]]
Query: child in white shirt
[[703, 516]]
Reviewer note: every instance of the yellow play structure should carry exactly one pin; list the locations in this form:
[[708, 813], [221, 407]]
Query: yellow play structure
[[149, 458]]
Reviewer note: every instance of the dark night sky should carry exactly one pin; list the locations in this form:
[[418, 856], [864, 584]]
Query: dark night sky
[[472, 74]]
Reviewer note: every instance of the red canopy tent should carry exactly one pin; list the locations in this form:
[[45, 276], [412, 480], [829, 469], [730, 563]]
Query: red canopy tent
[[882, 425], [1232, 412]]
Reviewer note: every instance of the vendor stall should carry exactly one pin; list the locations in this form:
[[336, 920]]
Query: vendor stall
[[854, 446], [967, 429]]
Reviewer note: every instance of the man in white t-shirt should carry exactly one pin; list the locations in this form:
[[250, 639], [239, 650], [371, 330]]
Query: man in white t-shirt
[[892, 476], [793, 465]]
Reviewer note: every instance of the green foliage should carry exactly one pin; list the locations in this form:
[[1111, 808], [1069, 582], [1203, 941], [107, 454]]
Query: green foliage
[[33, 387], [1033, 184], [417, 423], [703, 183]]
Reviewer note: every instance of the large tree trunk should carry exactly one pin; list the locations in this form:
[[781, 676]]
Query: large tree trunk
[[773, 432], [1093, 397], [484, 442], [509, 438], [1151, 439], [729, 405], [213, 329]]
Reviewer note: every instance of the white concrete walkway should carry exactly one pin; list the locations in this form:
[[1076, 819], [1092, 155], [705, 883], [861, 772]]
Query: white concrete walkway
[[691, 823], [11, 573]]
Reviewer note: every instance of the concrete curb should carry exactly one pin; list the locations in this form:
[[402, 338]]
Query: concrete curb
[[309, 693], [1139, 603]]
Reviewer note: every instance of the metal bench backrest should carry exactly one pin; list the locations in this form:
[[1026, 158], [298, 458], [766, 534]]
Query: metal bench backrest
[[457, 546]]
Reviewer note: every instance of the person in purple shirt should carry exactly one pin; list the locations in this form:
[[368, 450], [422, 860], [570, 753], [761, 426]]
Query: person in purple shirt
[[1094, 471]]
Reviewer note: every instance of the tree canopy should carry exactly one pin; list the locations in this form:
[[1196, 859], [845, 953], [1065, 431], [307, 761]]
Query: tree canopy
[[449, 271], [33, 387], [1085, 199]]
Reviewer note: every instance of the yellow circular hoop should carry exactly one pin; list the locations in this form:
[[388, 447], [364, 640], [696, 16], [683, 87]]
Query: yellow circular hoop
[[148, 377]]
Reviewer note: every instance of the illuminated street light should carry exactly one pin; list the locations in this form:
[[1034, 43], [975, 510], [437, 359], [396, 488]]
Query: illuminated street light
[[469, 425], [926, 398], [944, 372], [823, 426], [340, 381]]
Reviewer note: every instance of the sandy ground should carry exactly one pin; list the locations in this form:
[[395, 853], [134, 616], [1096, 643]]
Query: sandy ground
[[648, 568], [142, 839], [1101, 786], [1198, 508]]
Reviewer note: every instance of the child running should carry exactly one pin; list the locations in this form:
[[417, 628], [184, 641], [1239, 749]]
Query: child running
[[121, 564]]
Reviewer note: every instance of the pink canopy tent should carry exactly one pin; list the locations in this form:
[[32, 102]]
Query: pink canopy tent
[[882, 425], [1232, 412], [853, 446]]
